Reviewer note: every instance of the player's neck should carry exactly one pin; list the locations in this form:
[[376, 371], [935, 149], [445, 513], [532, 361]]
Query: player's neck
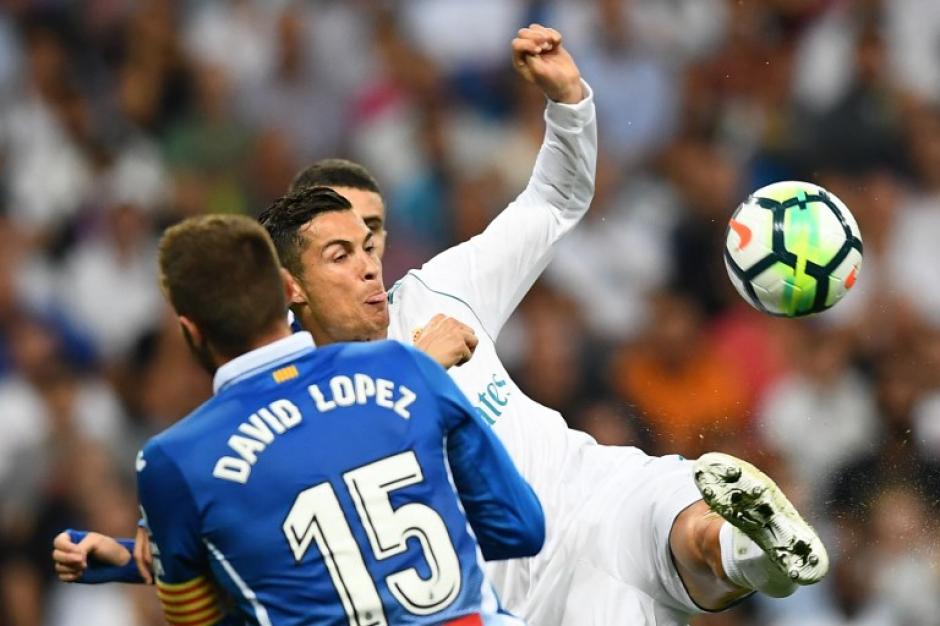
[[276, 333], [280, 331]]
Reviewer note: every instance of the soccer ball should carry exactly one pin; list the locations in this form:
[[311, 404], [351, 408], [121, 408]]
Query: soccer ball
[[793, 249]]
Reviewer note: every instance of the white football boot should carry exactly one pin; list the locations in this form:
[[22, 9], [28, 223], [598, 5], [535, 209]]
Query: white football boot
[[749, 500]]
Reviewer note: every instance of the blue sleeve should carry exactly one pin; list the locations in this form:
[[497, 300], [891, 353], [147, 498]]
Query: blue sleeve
[[98, 572], [502, 509], [184, 583]]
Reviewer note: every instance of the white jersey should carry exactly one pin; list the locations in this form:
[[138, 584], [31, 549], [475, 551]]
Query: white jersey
[[480, 282]]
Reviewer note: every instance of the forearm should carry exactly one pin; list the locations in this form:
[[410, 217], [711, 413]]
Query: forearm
[[502, 509], [99, 572], [563, 177]]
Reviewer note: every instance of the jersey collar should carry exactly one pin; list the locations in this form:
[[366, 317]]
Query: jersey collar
[[261, 358]]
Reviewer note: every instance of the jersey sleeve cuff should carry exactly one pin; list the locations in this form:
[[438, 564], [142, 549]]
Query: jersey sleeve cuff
[[97, 572], [572, 117]]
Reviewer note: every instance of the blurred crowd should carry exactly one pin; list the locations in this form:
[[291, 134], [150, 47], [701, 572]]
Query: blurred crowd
[[119, 117]]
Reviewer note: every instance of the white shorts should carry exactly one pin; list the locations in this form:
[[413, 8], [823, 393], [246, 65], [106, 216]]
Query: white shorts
[[611, 563]]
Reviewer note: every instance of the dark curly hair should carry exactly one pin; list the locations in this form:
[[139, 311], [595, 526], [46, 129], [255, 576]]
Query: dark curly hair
[[288, 214]]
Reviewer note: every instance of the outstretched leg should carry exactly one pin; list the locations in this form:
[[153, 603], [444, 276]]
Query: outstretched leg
[[696, 549], [743, 536]]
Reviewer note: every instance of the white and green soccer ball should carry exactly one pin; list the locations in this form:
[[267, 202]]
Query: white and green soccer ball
[[793, 249]]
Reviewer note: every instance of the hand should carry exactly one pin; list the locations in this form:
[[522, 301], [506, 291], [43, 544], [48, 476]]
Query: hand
[[447, 341], [537, 54], [142, 555], [71, 559]]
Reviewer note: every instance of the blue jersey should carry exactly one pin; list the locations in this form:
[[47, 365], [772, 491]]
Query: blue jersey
[[333, 486]]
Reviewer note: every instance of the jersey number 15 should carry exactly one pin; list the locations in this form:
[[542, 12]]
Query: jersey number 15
[[317, 516]]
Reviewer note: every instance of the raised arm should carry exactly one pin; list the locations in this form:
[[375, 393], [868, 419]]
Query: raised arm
[[492, 271], [503, 510]]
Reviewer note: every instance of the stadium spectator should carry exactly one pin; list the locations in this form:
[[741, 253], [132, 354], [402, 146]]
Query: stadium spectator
[[823, 391], [689, 394]]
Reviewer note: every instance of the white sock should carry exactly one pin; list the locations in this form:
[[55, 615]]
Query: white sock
[[746, 565]]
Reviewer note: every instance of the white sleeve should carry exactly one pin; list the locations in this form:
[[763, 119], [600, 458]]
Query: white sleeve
[[493, 270]]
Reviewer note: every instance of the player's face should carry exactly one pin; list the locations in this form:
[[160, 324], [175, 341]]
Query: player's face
[[342, 295], [369, 206]]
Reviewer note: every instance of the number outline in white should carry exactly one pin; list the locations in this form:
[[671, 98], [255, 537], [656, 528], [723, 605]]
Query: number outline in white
[[372, 615], [364, 482], [388, 531]]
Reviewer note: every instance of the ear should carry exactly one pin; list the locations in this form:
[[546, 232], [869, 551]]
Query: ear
[[295, 294], [192, 329]]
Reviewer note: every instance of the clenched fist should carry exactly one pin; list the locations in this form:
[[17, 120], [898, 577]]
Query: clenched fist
[[537, 54], [71, 559], [446, 340]]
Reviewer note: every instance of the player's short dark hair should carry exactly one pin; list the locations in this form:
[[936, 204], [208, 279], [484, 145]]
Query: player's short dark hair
[[222, 272], [287, 215], [335, 173]]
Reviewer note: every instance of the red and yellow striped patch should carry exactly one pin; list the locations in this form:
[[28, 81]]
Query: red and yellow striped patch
[[192, 603], [285, 373]]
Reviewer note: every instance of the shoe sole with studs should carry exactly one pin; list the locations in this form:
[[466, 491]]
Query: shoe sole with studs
[[748, 499]]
